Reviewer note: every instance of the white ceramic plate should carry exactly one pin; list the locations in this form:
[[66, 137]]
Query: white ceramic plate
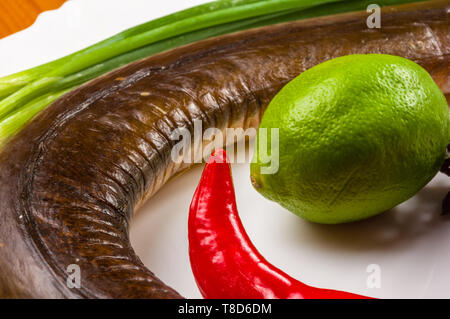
[[409, 245]]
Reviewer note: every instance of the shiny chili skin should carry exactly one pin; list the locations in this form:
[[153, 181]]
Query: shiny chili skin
[[224, 261], [78, 171]]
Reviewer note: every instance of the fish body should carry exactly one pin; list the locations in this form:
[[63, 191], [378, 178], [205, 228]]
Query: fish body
[[72, 178]]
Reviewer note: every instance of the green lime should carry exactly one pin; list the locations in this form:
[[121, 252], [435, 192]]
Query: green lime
[[358, 135]]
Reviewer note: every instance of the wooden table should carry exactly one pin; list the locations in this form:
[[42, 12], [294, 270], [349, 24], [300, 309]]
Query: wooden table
[[16, 15]]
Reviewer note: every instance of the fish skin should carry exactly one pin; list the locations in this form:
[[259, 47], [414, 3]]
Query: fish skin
[[73, 177]]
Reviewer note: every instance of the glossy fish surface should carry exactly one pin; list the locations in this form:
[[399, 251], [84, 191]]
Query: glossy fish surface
[[73, 177]]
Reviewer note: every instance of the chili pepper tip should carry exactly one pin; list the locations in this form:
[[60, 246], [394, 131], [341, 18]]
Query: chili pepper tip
[[219, 156]]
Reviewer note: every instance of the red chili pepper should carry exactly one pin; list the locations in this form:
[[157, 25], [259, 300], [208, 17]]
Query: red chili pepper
[[223, 259]]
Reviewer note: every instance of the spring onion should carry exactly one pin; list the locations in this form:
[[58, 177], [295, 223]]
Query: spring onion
[[28, 92]]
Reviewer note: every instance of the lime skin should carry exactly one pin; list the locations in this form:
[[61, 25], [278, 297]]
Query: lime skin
[[358, 135]]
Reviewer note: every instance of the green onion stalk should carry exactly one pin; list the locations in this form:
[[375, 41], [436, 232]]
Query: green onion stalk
[[24, 94]]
